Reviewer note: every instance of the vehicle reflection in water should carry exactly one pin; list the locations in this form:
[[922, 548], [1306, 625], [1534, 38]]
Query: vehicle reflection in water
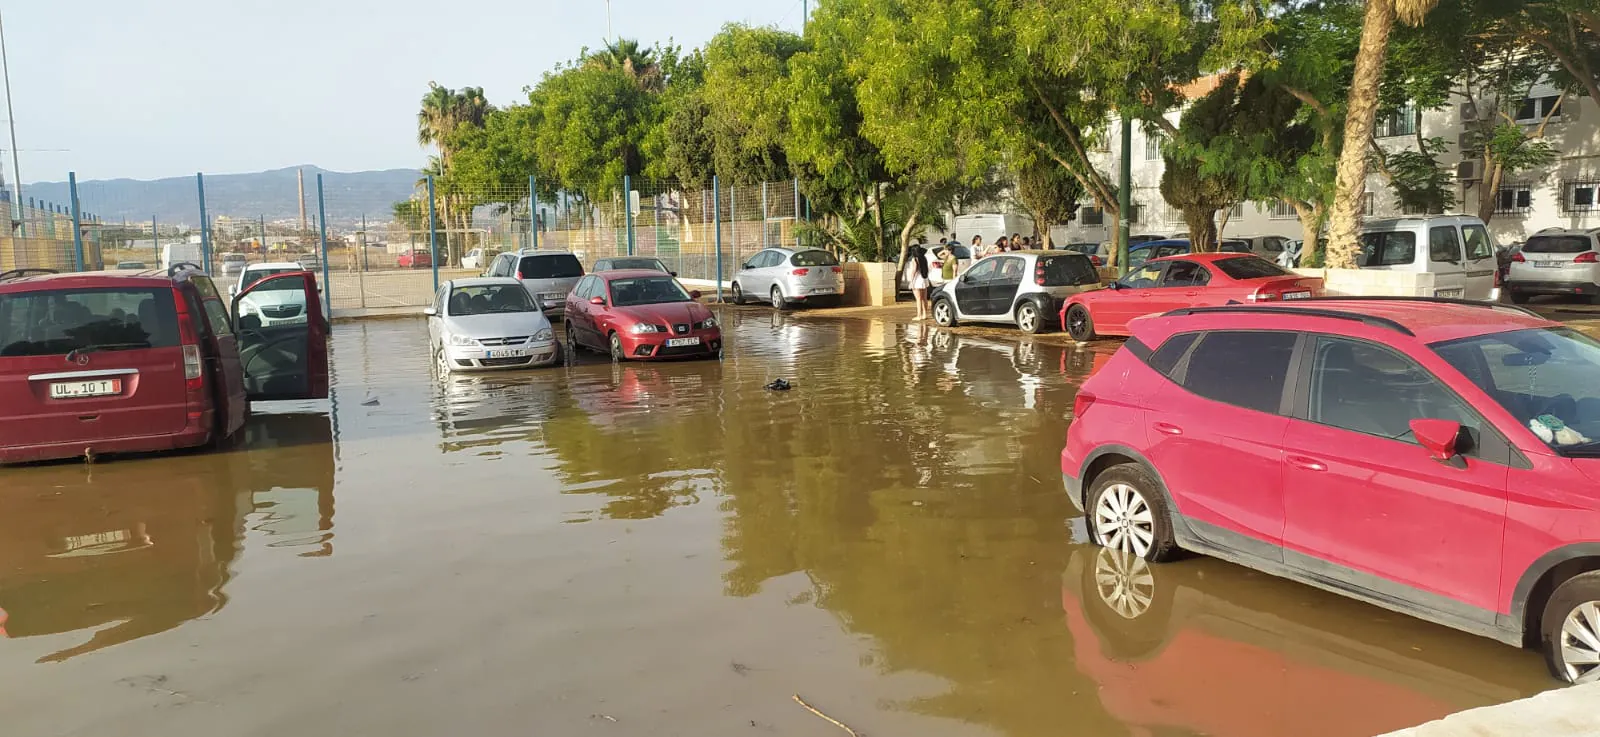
[[136, 547], [1206, 647]]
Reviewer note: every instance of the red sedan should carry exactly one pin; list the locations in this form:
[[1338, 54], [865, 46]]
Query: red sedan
[[415, 260], [1189, 280], [639, 315]]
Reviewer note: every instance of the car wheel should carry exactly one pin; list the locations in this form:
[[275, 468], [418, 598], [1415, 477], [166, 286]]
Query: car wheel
[[1570, 628], [1517, 297], [440, 362], [1080, 325], [944, 313], [1126, 604], [1128, 513], [616, 348], [737, 294], [777, 299], [572, 343], [1028, 318]]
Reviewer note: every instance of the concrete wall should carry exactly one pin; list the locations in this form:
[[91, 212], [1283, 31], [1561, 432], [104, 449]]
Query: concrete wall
[[869, 284], [1567, 712], [1372, 282]]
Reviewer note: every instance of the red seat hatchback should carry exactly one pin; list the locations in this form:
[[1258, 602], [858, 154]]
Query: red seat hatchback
[[1438, 458], [125, 361]]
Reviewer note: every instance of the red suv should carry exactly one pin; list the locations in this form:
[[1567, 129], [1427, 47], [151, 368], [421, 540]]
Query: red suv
[[1435, 457], [125, 361]]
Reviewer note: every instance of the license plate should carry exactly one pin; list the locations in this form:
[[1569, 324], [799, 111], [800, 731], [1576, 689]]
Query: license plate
[[1297, 295], [507, 354], [81, 389], [680, 342], [553, 295], [1549, 264], [824, 290], [1451, 293]]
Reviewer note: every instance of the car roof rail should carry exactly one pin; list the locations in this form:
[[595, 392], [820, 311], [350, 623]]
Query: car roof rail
[[20, 273], [1382, 322], [182, 265], [1486, 304]]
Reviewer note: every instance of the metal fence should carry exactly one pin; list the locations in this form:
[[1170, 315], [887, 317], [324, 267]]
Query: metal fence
[[378, 249]]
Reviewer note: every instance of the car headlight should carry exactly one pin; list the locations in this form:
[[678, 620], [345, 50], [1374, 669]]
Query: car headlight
[[544, 335], [710, 322], [645, 328], [462, 340]]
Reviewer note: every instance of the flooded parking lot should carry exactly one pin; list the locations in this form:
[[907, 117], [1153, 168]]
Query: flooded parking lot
[[671, 549]]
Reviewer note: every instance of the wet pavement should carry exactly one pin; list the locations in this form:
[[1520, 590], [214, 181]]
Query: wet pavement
[[671, 549]]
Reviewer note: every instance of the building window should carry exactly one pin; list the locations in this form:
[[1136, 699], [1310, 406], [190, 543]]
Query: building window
[[1513, 200], [1152, 147], [1283, 211], [1536, 109], [1416, 210], [1402, 122], [1173, 214], [1369, 205], [1093, 216], [1580, 196]]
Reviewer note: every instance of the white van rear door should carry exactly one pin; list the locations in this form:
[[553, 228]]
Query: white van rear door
[[1481, 262], [1446, 262]]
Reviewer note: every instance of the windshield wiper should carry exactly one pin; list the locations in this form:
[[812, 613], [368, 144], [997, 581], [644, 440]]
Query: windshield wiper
[[96, 347]]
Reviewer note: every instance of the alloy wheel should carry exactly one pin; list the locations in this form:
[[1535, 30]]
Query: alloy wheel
[[1580, 643], [616, 347], [1078, 324], [441, 363], [1125, 582], [777, 299], [943, 313], [738, 294], [1028, 318], [1123, 520]]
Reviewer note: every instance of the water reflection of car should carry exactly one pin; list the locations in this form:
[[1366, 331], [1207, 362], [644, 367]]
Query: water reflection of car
[[488, 323], [1024, 288], [633, 263], [1210, 648], [1198, 280], [639, 315]]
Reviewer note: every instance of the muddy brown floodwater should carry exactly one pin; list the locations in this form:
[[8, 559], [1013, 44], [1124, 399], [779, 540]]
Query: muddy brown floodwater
[[670, 550]]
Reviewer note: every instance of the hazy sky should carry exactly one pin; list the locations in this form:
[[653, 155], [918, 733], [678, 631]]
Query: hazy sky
[[155, 88]]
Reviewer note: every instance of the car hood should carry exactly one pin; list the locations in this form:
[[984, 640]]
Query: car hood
[[1589, 467], [498, 325], [670, 312]]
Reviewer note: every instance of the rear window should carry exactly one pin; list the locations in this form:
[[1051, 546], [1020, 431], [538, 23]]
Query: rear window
[[813, 258], [1234, 247], [1066, 271], [1250, 267], [1391, 248], [622, 264], [56, 322], [555, 266], [1557, 244]]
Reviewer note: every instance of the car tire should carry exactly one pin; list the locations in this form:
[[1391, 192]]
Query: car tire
[[1128, 512], [737, 294], [1574, 607], [944, 312], [1080, 324], [440, 363], [1029, 319], [572, 343], [778, 301], [1516, 297], [616, 348], [1126, 603]]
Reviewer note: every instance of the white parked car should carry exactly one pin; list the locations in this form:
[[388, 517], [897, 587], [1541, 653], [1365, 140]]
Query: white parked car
[[478, 258], [489, 323], [1456, 249], [1556, 262], [275, 306], [786, 277]]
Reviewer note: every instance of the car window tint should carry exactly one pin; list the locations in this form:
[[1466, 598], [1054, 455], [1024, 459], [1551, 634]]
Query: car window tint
[[1186, 274], [813, 258], [1444, 245], [51, 322], [1145, 277], [1009, 270], [1066, 271], [1557, 244], [1250, 267], [983, 271], [1274, 245], [1388, 248], [1166, 358], [488, 299], [1244, 369], [1479, 245], [552, 266], [1373, 390]]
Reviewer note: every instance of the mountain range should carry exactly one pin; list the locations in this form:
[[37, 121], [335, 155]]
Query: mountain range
[[271, 194]]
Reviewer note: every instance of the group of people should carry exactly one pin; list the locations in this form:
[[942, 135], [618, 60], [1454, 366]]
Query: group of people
[[917, 269]]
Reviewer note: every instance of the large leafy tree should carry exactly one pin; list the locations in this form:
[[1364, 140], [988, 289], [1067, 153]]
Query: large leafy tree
[[1048, 192], [747, 101], [590, 123]]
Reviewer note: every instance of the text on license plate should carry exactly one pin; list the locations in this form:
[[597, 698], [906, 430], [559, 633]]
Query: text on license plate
[[81, 389], [823, 290], [1549, 264], [1449, 293], [553, 295], [680, 342], [1297, 295], [517, 353]]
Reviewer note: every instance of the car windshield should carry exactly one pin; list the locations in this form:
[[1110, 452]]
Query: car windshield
[[57, 322], [1067, 271], [621, 264], [554, 266], [489, 299], [1250, 267], [1557, 244], [648, 290], [813, 258], [255, 275], [1549, 379]]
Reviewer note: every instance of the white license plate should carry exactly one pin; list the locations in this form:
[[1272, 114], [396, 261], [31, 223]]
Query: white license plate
[[553, 295], [1450, 293], [81, 389], [1549, 264], [507, 353], [824, 290], [1297, 295], [680, 342]]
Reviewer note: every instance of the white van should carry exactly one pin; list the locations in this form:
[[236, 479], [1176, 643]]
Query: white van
[[179, 253], [991, 227], [1456, 249]]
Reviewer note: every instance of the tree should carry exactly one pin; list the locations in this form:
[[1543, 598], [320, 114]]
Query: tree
[[747, 101], [1360, 117], [443, 111], [1049, 193], [589, 126], [1566, 32], [628, 57]]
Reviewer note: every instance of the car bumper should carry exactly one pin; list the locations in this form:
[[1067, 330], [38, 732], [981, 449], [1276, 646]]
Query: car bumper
[[469, 358], [198, 433], [1074, 487], [1553, 287], [653, 346]]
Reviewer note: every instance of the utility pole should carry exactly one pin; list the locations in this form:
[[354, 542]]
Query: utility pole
[[304, 229], [1125, 196], [16, 165], [608, 22]]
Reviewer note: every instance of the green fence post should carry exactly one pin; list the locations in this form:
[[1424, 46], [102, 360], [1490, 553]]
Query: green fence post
[[716, 217], [77, 222], [433, 235], [205, 224], [322, 239]]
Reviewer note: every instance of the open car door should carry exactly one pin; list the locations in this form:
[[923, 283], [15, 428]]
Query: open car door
[[283, 338]]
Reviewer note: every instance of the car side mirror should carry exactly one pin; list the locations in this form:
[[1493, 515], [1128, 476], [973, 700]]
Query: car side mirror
[[1439, 437], [430, 312], [672, 273], [601, 301], [694, 294]]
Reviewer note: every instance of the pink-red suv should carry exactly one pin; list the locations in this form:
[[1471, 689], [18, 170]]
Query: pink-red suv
[[130, 361], [1439, 458]]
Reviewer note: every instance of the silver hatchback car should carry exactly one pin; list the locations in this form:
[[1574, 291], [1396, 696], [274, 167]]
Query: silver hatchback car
[[1024, 288], [786, 277], [1556, 262], [488, 323], [548, 276]]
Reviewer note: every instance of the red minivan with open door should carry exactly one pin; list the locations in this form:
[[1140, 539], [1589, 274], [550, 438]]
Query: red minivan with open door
[[124, 361]]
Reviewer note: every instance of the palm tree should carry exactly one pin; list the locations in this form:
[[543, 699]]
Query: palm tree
[[1344, 228], [635, 61], [443, 111]]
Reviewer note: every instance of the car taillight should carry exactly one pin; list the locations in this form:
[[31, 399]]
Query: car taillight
[[191, 365], [1095, 260], [1262, 297], [1081, 404], [838, 269], [1587, 258], [193, 374], [1519, 258], [801, 272], [1038, 275]]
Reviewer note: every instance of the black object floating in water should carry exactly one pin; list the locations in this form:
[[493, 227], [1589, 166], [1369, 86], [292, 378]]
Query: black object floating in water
[[779, 386]]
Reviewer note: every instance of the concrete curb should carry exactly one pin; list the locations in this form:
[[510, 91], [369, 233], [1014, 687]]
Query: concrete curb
[[1567, 712]]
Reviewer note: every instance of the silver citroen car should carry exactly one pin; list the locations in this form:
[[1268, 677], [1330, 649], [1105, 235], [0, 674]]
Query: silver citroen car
[[786, 277], [489, 323]]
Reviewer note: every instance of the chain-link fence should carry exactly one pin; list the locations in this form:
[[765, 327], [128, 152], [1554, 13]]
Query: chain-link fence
[[388, 245]]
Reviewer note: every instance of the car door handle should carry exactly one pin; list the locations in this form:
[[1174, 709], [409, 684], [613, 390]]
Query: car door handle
[[1191, 294], [1167, 429], [1309, 464]]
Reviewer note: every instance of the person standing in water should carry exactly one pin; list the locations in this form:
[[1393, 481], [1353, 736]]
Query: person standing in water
[[916, 276]]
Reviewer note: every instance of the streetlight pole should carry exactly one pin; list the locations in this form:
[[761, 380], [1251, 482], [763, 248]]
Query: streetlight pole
[[16, 166]]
